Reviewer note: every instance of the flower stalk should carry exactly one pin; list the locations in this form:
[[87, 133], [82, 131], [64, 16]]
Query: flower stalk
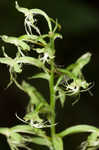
[[70, 81]]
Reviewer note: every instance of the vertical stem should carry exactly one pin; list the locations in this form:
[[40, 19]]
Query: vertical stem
[[52, 95], [52, 99]]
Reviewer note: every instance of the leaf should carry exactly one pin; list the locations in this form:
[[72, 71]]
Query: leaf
[[93, 140], [4, 131], [23, 129], [81, 62], [42, 107], [58, 143], [32, 92], [15, 41], [77, 67], [42, 141], [33, 39], [66, 72], [24, 46], [61, 96], [16, 138], [12, 63], [35, 96], [30, 60], [84, 59], [15, 63], [78, 129], [41, 75], [28, 129]]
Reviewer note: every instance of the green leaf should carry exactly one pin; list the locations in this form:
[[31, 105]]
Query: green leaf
[[78, 129], [92, 142], [58, 143], [42, 141], [75, 70], [61, 96], [28, 129], [16, 138], [81, 62], [77, 67], [41, 75], [38, 100], [12, 63], [33, 39], [5, 131], [35, 96], [23, 129], [66, 72], [42, 107], [15, 41], [30, 60], [84, 59]]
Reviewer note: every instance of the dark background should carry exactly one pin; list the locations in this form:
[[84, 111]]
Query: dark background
[[80, 30]]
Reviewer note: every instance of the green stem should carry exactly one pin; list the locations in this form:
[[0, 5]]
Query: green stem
[[52, 94], [52, 99]]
